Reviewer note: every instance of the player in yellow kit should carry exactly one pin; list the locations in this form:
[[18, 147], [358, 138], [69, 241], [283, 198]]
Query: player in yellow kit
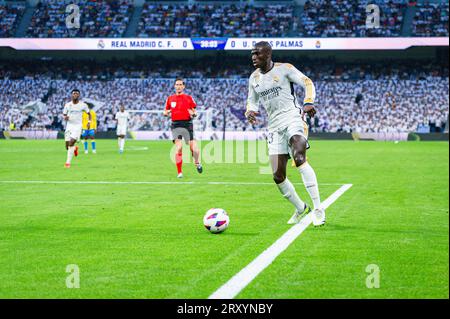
[[89, 129]]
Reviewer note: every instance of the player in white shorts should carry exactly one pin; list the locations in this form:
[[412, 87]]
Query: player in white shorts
[[122, 123], [73, 114], [272, 85]]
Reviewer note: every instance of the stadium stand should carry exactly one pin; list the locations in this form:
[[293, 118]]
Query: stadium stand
[[431, 19], [10, 15], [312, 18], [375, 97], [212, 20], [336, 18], [97, 19]]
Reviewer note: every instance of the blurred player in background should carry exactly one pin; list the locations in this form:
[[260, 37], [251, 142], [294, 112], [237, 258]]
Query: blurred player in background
[[89, 129], [181, 107], [390, 100], [122, 124], [73, 114], [272, 84]]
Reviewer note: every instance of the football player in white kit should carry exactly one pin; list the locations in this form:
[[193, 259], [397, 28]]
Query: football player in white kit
[[73, 114], [272, 84], [122, 123]]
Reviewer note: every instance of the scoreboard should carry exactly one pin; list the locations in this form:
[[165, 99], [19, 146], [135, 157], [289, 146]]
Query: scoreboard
[[220, 43]]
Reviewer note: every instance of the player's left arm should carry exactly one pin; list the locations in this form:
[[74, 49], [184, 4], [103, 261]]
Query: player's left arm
[[294, 75]]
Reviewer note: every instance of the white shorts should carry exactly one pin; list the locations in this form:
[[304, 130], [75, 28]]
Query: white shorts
[[72, 132], [278, 140], [121, 130]]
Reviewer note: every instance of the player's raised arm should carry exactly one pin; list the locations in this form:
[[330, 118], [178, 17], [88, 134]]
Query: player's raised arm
[[88, 112], [252, 103], [294, 75]]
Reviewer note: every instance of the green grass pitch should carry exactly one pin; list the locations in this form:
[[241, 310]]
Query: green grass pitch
[[148, 241]]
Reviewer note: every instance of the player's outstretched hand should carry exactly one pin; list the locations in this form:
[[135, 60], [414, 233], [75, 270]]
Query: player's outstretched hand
[[251, 117], [310, 110]]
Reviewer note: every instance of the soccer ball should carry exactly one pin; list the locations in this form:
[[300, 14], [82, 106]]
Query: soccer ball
[[216, 220]]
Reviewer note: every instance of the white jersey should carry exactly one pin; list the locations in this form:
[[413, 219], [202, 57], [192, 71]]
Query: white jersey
[[275, 91], [122, 119], [75, 113]]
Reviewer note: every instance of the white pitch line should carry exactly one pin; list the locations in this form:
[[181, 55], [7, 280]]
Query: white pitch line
[[148, 182], [89, 182], [239, 281]]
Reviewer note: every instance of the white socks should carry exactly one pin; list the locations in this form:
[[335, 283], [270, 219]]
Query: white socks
[[121, 143], [70, 151], [288, 191], [310, 181]]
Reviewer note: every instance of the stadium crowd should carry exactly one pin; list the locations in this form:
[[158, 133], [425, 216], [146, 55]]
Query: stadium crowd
[[97, 19], [161, 66], [346, 18], [385, 105], [388, 97], [431, 20], [316, 18], [214, 20], [9, 18]]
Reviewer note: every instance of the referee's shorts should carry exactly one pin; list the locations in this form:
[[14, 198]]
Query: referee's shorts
[[183, 129]]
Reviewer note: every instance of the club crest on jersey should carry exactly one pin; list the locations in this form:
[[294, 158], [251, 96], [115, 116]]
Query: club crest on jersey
[[173, 104], [276, 78]]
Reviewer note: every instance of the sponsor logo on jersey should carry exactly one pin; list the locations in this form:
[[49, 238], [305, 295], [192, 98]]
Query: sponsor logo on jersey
[[271, 93]]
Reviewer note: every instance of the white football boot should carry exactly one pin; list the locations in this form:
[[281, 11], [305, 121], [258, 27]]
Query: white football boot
[[318, 217]]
